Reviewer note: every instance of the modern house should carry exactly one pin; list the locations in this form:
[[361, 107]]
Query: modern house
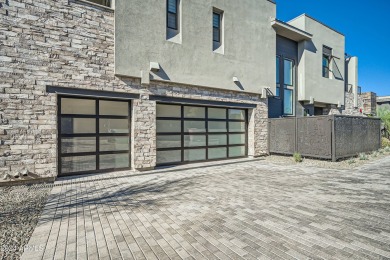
[[88, 85]]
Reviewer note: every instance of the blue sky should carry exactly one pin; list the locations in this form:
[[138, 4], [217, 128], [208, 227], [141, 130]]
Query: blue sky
[[366, 27]]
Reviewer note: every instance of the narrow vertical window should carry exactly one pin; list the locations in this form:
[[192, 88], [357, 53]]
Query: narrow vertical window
[[216, 27], [326, 56], [218, 31], [172, 16], [288, 90], [277, 76]]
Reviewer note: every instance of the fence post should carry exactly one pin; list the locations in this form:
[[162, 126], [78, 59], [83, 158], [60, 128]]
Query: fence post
[[333, 129], [296, 135]]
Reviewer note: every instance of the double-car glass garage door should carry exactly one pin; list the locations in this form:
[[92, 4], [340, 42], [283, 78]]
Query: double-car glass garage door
[[187, 133], [94, 135]]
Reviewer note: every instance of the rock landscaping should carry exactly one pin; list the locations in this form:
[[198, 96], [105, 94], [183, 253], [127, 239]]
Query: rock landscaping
[[20, 208]]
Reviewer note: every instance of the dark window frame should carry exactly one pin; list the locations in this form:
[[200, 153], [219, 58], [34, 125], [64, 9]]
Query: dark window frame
[[219, 14], [106, 3], [175, 14], [325, 68], [206, 133], [291, 88], [97, 135]]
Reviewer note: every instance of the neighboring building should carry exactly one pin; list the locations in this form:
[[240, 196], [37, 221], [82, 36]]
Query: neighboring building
[[385, 100], [86, 87], [314, 75]]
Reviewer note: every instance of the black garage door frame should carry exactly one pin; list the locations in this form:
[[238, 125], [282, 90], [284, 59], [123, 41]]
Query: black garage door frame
[[97, 134], [206, 119]]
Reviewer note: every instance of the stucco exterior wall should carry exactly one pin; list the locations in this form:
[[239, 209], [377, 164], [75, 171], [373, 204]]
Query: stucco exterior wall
[[249, 43], [312, 83]]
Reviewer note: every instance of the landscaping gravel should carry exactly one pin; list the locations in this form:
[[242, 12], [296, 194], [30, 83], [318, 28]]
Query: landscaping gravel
[[348, 163], [20, 208]]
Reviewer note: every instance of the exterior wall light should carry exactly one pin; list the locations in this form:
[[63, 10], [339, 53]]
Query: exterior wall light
[[154, 66]]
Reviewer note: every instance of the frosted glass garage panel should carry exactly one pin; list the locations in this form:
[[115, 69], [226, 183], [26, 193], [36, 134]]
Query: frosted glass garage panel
[[78, 164], [78, 125], [195, 155], [78, 144], [113, 108], [168, 141], [237, 114], [236, 126], [113, 126], [217, 126], [217, 113], [215, 140], [168, 110], [236, 151], [114, 143], [173, 156], [194, 126], [168, 126], [194, 140], [78, 106], [194, 112], [114, 161], [237, 139], [217, 153]]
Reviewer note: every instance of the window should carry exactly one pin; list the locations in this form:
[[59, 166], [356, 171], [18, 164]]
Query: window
[[218, 31], [172, 16], [277, 76], [288, 90], [326, 56], [102, 2], [216, 27]]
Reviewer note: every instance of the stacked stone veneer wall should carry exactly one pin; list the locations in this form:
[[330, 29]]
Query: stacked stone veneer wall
[[366, 105], [71, 44]]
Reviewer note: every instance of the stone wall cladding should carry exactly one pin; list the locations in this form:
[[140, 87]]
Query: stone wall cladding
[[71, 44], [366, 105]]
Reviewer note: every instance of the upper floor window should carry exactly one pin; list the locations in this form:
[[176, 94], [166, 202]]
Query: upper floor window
[[218, 31], [172, 14], [216, 27], [326, 57], [107, 3]]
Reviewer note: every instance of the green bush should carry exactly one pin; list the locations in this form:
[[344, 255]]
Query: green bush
[[383, 112], [351, 161], [297, 157], [363, 157], [385, 142]]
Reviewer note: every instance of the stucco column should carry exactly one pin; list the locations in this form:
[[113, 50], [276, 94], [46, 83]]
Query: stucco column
[[143, 134], [258, 130]]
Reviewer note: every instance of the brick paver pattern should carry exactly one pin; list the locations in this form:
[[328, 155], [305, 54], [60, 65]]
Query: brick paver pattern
[[247, 210]]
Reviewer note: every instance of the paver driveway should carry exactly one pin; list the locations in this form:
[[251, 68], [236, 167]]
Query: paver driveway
[[252, 210]]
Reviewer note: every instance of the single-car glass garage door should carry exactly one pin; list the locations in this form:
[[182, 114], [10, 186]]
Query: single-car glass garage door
[[188, 133], [94, 135]]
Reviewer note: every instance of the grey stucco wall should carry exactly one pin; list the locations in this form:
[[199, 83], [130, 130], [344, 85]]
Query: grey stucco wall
[[249, 43], [311, 81]]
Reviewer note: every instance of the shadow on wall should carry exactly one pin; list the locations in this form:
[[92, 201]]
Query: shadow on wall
[[161, 74]]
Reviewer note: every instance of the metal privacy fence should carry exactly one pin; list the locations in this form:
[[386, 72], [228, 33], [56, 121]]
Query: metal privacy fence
[[325, 137]]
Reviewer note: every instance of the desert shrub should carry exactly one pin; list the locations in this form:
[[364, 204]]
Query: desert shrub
[[387, 149], [297, 157], [363, 157], [385, 142], [383, 112], [375, 154], [351, 161]]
